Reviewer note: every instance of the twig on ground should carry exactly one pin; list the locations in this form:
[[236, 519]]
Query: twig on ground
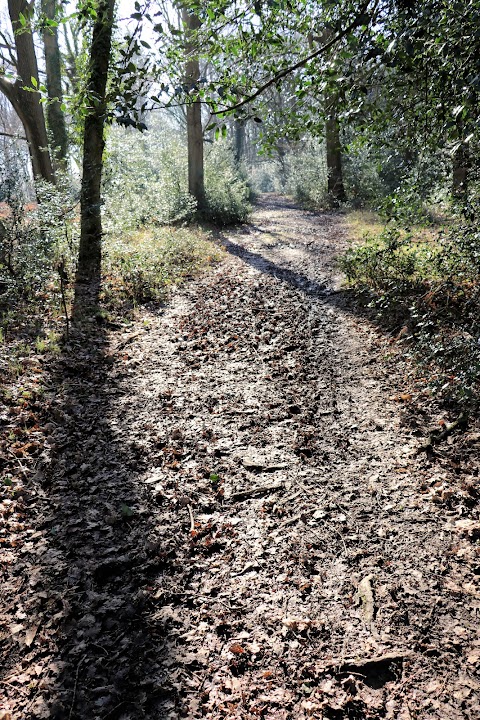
[[127, 340], [292, 520], [192, 519], [84, 657], [22, 469], [337, 533], [435, 438], [259, 490], [113, 710], [364, 663]]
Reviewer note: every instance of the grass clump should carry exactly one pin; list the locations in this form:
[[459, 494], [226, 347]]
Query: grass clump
[[144, 265]]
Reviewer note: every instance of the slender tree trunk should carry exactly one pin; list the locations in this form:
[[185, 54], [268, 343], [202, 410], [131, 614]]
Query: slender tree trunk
[[196, 180], [281, 154], [89, 259], [55, 114], [336, 188], [239, 127], [461, 162], [25, 103]]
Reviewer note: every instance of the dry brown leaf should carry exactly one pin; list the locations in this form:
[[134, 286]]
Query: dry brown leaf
[[433, 687], [236, 649], [473, 656], [15, 629], [30, 634]]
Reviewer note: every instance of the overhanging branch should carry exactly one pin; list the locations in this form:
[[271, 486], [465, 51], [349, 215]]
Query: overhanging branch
[[12, 135], [301, 63]]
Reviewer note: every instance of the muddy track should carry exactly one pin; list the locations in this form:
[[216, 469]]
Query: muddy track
[[233, 520]]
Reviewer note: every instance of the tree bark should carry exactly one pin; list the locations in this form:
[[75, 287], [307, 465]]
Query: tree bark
[[55, 114], [239, 128], [25, 103], [196, 180], [89, 259], [336, 188], [461, 163]]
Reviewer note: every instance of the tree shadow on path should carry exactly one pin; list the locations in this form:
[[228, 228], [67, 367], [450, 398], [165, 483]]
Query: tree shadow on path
[[297, 280], [91, 567]]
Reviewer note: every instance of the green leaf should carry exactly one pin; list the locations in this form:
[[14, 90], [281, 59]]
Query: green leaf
[[126, 511], [214, 477], [34, 81]]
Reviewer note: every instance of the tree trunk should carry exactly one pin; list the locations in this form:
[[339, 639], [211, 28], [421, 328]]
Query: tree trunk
[[281, 154], [461, 162], [55, 115], [239, 127], [89, 259], [196, 180], [25, 103], [336, 188]]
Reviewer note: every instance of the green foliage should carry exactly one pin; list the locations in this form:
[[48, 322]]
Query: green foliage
[[145, 181], [429, 284], [306, 174], [126, 511], [33, 237], [227, 191], [264, 177], [143, 266]]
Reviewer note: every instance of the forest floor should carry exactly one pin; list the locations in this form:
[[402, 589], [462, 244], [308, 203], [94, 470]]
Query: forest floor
[[232, 516]]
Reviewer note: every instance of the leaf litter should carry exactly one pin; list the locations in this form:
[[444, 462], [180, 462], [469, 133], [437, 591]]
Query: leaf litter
[[230, 518]]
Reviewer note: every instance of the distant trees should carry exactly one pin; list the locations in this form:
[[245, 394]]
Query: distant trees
[[393, 73], [26, 102], [53, 70]]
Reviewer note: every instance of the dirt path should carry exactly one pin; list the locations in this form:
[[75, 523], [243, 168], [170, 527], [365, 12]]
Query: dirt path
[[232, 521]]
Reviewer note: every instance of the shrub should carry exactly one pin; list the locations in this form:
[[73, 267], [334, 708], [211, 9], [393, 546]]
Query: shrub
[[429, 285], [307, 174], [33, 237], [265, 178], [145, 179], [142, 266], [227, 190]]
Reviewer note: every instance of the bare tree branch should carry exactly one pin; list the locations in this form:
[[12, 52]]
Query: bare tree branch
[[12, 135]]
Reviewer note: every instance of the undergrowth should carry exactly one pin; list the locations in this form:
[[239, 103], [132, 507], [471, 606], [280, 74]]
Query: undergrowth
[[144, 265], [424, 286]]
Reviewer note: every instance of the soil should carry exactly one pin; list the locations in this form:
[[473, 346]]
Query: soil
[[232, 515]]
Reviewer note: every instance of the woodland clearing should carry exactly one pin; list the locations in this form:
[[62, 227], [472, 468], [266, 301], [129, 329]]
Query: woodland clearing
[[232, 515]]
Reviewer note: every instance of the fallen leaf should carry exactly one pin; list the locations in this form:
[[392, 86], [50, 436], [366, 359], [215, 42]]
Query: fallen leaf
[[237, 649], [30, 635], [15, 629], [473, 656]]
